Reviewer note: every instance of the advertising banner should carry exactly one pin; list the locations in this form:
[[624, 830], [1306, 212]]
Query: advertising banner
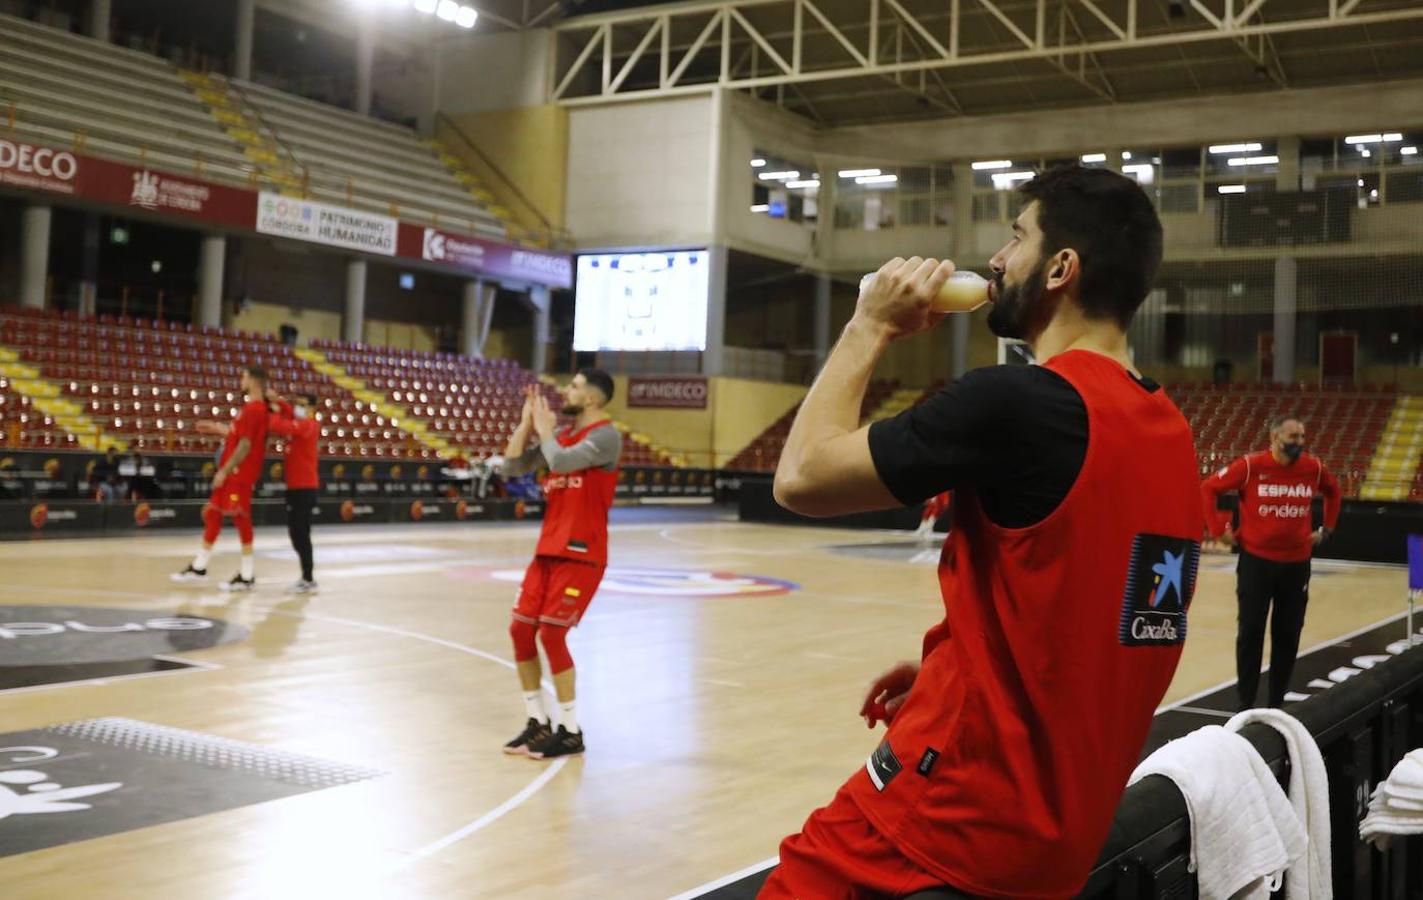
[[484, 257], [667, 392], [39, 168], [322, 223], [35, 167]]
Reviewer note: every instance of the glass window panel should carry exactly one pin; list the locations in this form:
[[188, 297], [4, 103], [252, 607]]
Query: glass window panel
[[986, 207], [1181, 163]]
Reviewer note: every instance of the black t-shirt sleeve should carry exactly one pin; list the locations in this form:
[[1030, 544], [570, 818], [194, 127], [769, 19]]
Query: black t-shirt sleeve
[[940, 444], [1015, 435]]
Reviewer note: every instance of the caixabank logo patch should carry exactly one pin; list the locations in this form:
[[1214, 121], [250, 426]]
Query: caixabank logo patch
[[1161, 579]]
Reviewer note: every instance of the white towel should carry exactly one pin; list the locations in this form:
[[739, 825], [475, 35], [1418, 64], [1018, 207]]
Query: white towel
[[1396, 805], [1244, 833], [1311, 878], [1384, 798]]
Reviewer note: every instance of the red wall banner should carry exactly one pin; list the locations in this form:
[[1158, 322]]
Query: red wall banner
[[34, 167], [39, 168]]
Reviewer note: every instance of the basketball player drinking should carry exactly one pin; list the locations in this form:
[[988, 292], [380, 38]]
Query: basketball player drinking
[[239, 467], [1065, 578], [582, 464]]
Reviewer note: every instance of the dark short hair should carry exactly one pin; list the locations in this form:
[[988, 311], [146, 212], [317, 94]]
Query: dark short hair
[[258, 373], [311, 399], [1108, 219], [600, 380], [1278, 422]]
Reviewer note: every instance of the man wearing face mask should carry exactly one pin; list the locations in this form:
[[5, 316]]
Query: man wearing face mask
[[296, 424], [1276, 542], [1065, 577]]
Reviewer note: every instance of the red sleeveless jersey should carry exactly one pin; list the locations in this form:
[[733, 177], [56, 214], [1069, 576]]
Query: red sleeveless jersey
[[251, 423], [1002, 771], [576, 518]]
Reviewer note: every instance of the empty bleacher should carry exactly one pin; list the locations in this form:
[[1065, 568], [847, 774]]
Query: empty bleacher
[[77, 93], [148, 383], [764, 451], [472, 403], [1343, 425], [73, 92], [370, 164]]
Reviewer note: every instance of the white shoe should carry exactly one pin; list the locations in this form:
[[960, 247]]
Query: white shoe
[[301, 586], [238, 585], [189, 575]]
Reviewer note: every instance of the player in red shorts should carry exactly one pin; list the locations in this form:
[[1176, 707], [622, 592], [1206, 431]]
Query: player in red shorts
[[239, 467], [582, 463]]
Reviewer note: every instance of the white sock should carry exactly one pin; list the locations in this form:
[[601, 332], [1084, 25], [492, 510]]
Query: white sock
[[567, 717], [534, 704], [248, 564], [200, 562]]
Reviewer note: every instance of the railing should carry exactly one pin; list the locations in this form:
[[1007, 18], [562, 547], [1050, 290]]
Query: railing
[[1363, 727]]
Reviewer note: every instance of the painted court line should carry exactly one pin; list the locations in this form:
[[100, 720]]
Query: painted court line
[[488, 818], [189, 665], [727, 879], [1177, 704]]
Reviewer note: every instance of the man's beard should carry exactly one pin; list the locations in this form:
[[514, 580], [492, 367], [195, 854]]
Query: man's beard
[[570, 410], [1016, 306]]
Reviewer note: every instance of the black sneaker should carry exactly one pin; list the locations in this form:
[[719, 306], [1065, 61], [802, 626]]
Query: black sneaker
[[560, 743], [189, 575], [534, 732], [238, 584]]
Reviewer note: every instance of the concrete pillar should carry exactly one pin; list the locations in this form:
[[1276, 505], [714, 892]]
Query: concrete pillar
[[478, 314], [714, 357], [100, 12], [822, 317], [242, 53], [717, 169], [1286, 299], [353, 323], [210, 265], [34, 256], [1114, 159], [89, 266], [1287, 176], [365, 61], [542, 303], [965, 256]]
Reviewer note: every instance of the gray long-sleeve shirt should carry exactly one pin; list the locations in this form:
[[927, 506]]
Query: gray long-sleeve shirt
[[600, 448]]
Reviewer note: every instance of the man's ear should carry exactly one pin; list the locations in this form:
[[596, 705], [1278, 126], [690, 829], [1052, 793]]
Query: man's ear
[[1063, 269]]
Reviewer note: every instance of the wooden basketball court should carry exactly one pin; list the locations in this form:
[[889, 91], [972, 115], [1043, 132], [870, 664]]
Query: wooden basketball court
[[718, 710]]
